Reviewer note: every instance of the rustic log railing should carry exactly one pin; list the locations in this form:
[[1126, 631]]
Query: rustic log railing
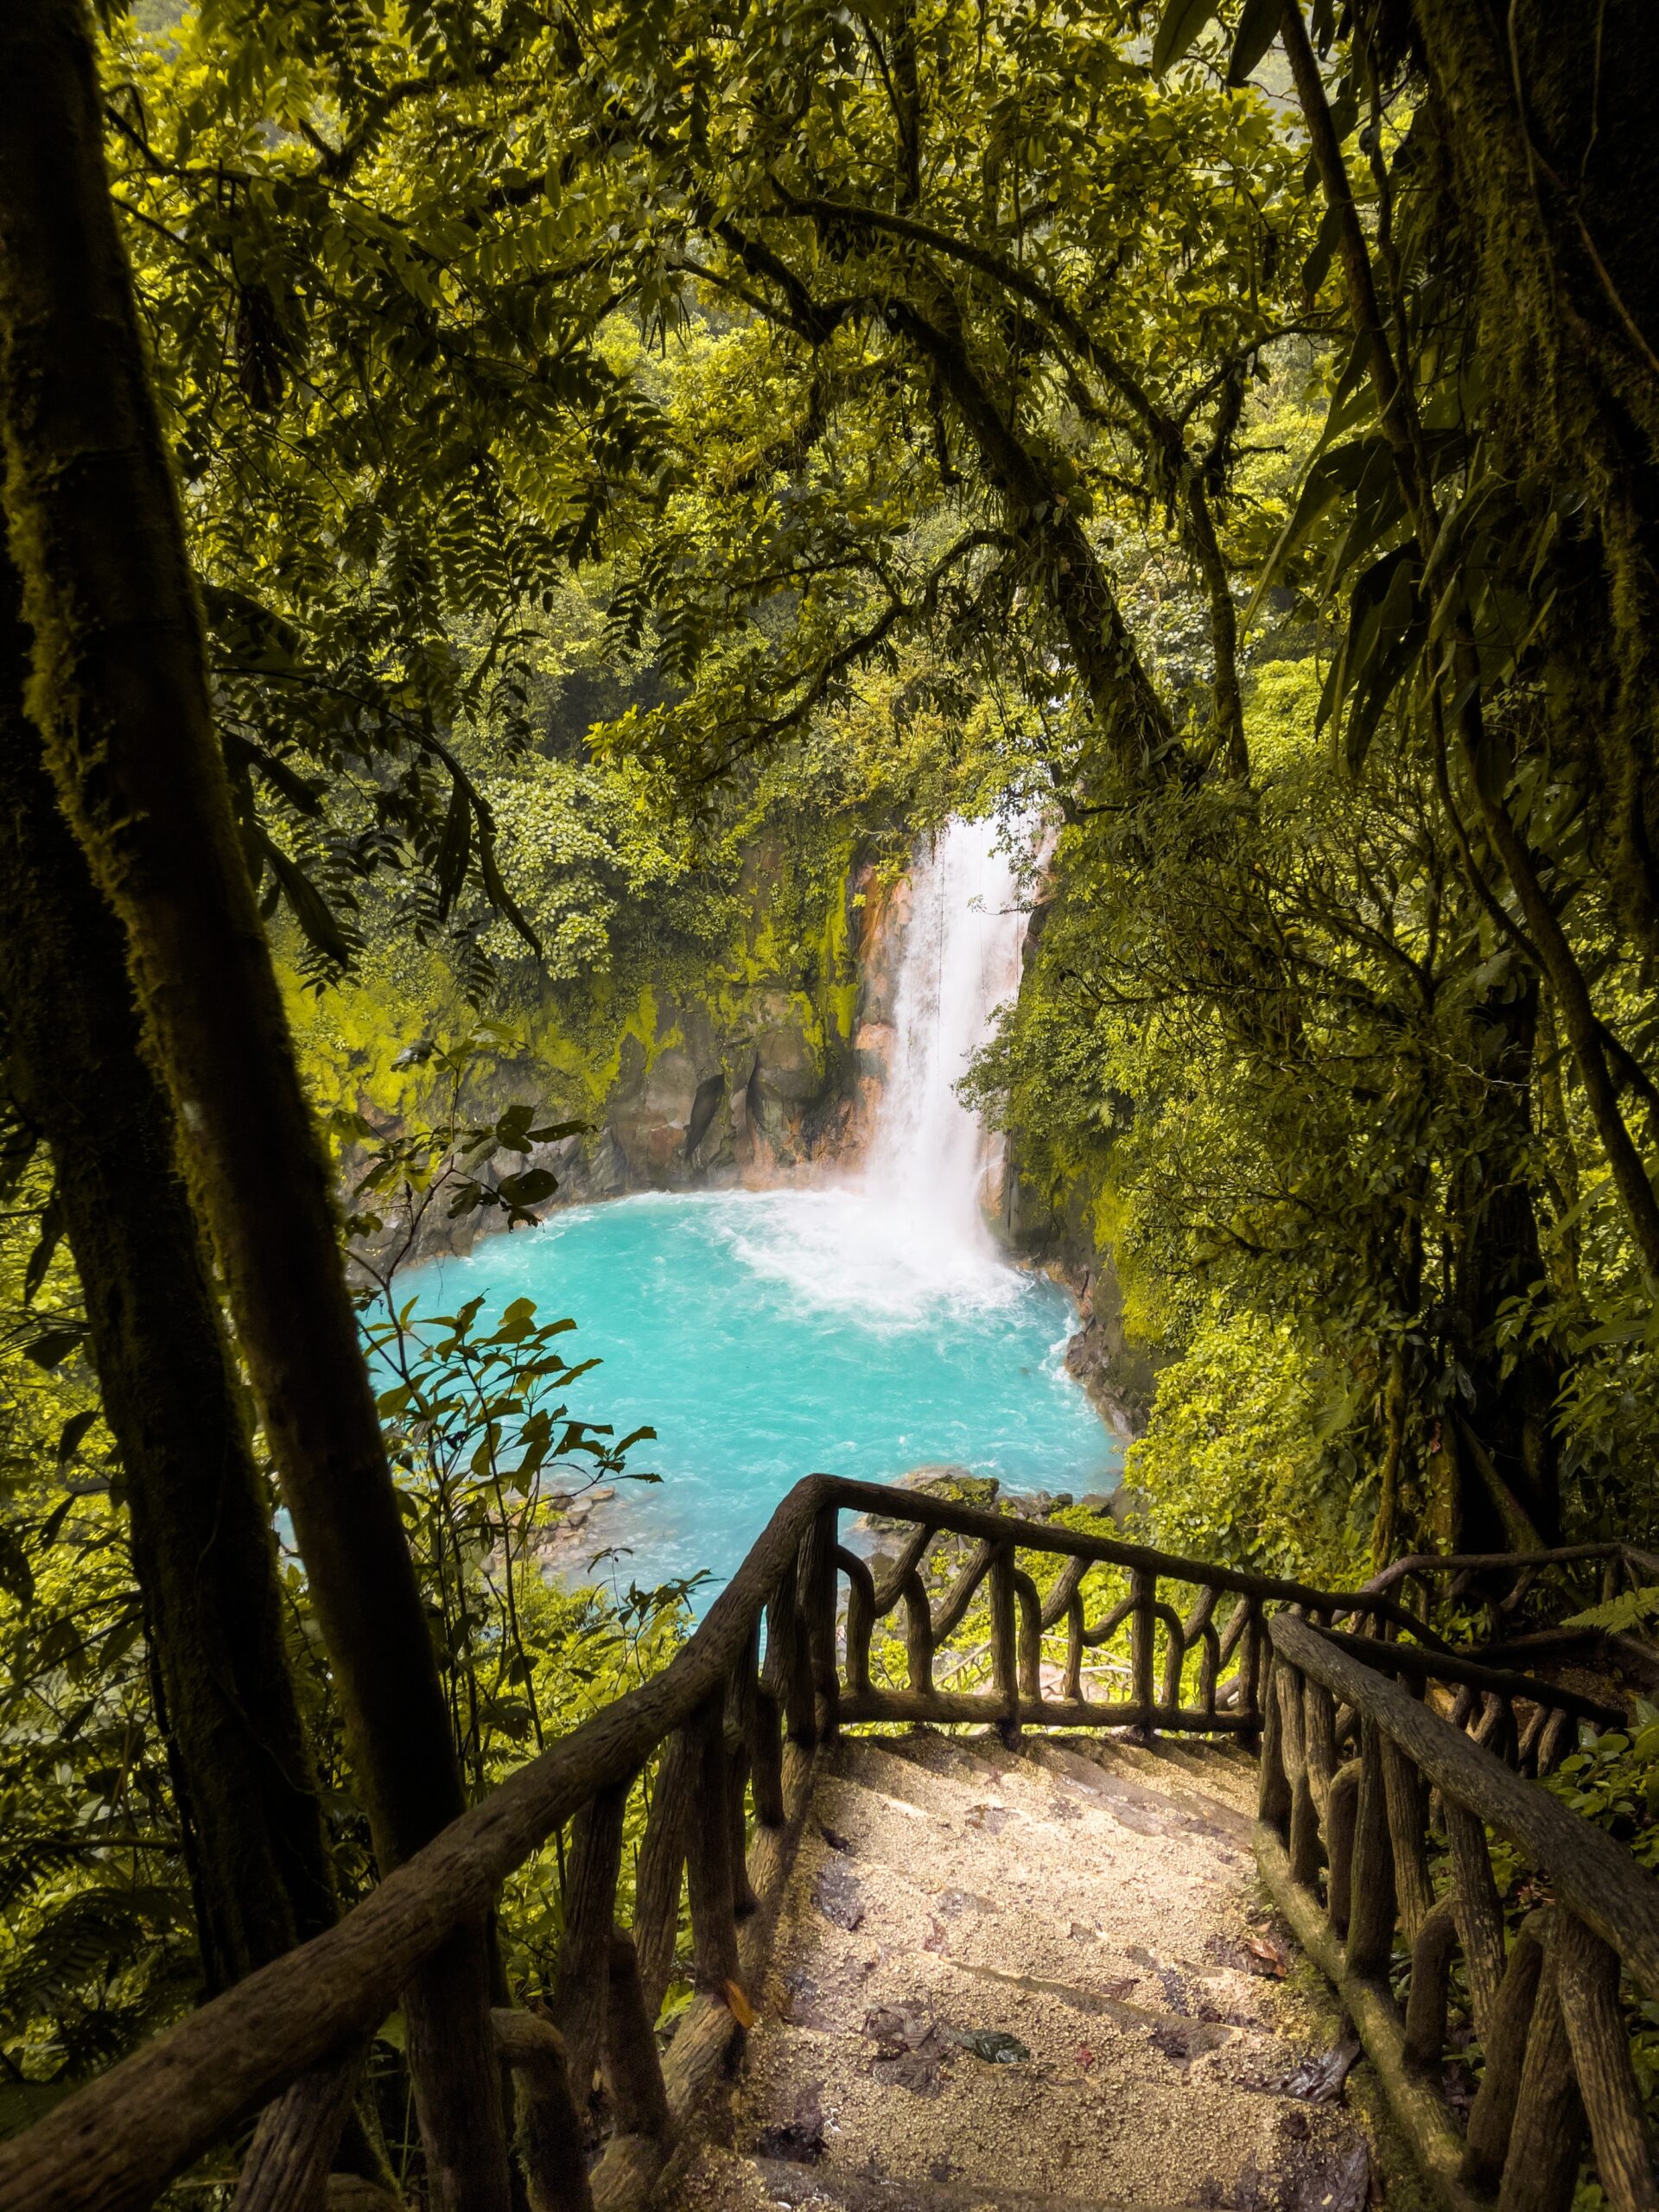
[[1519, 1598], [721, 1746], [1368, 1795]]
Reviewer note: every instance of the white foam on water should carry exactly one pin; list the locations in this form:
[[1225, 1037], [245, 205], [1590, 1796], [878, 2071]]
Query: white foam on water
[[912, 1237]]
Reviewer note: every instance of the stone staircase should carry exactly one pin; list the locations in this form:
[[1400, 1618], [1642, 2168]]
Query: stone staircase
[[1023, 1964], [1028, 1977]]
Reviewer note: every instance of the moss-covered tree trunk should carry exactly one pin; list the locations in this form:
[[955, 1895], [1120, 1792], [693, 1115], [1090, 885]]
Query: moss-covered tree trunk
[[1544, 117], [203, 1551], [1504, 1445], [120, 691]]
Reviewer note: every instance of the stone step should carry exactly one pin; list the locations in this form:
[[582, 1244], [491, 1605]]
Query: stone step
[[1178, 1785], [880, 1900], [808, 2187], [1118, 1785], [1144, 2126]]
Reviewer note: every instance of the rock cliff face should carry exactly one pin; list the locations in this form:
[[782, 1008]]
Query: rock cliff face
[[761, 1067], [763, 1077]]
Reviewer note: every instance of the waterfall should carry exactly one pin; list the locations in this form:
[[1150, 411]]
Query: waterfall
[[910, 1236], [930, 1159]]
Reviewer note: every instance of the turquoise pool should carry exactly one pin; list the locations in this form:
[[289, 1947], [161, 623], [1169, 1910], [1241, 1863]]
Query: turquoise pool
[[769, 1335]]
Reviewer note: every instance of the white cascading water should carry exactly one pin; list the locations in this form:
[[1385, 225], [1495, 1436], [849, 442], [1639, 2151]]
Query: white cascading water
[[913, 1230], [931, 1161]]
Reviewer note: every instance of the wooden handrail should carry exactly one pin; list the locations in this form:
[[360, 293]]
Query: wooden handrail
[[116, 2142], [1584, 1865], [1002, 1528], [1449, 1666], [724, 1723], [1424, 1563], [1544, 2006]]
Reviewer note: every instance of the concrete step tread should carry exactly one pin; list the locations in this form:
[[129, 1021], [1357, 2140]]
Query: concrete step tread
[[1181, 1782], [852, 1915], [1118, 1786], [808, 2186], [1145, 2126]]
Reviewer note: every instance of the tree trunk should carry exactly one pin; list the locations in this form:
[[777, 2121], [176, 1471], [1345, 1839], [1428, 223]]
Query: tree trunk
[[121, 693], [198, 1520], [1510, 1490]]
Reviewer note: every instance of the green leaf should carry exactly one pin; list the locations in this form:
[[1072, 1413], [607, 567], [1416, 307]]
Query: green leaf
[[318, 922], [1629, 1610], [455, 847], [53, 1346], [529, 1188], [16, 1576], [1258, 26], [1182, 22], [1317, 267], [46, 1243], [71, 1433]]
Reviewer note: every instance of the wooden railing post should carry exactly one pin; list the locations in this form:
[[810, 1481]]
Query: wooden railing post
[[767, 1758], [818, 1607], [287, 2165], [1005, 1676], [578, 2000], [1342, 1809], [1251, 1668], [1028, 1636], [860, 1618], [740, 1730], [1480, 1915], [1144, 1629], [550, 2130], [1408, 1804], [1274, 1792], [1370, 1898], [1071, 1688], [1491, 2116], [918, 1635], [1319, 1735], [1541, 2165], [709, 1854], [661, 1866], [633, 2068], [744, 1901], [1586, 1972], [789, 1663], [457, 2082], [1430, 1970], [1305, 1849]]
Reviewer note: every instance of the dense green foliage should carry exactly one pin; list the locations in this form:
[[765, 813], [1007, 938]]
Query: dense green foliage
[[618, 442]]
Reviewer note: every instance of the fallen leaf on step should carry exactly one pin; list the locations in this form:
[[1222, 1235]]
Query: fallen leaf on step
[[1319, 2081], [992, 1819], [1340, 2182], [1086, 2057], [838, 1897], [991, 2044], [909, 2049], [1268, 1958], [737, 2004], [897, 2027]]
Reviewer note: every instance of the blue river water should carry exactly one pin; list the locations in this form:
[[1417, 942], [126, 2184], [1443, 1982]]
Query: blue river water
[[769, 1335]]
